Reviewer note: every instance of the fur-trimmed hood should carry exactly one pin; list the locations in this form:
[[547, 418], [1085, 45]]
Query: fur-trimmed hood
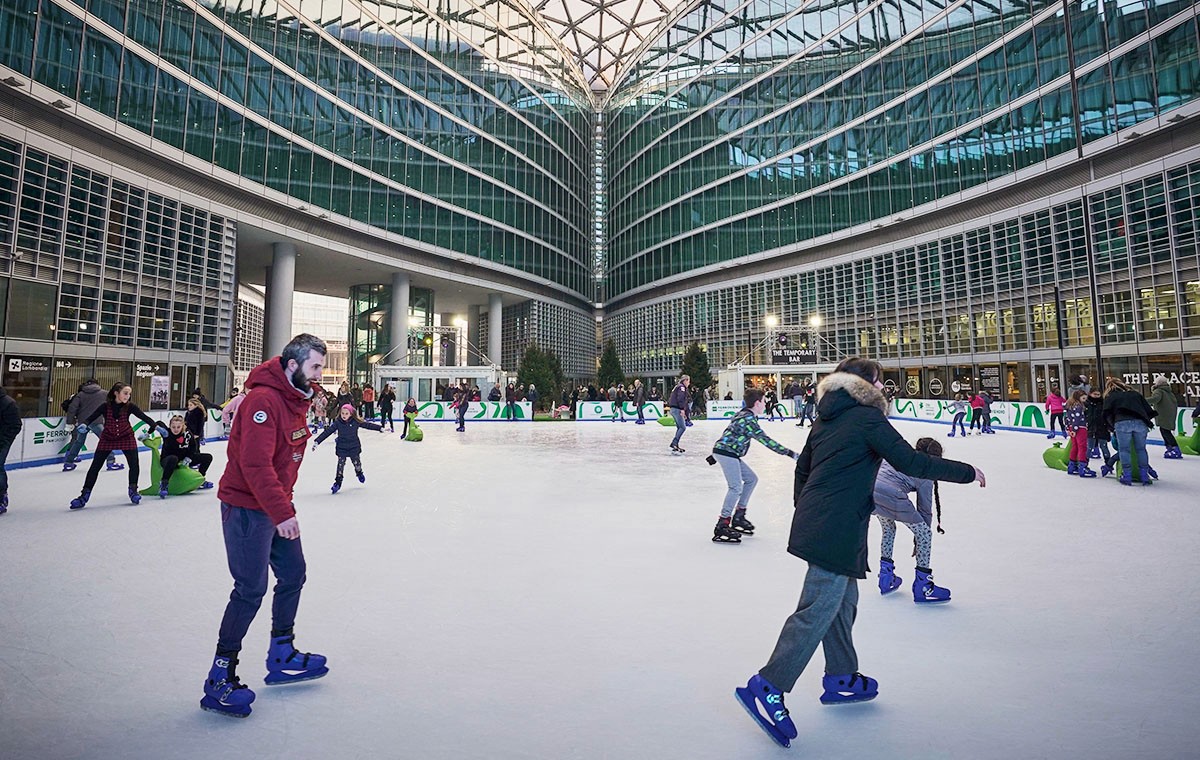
[[857, 392]]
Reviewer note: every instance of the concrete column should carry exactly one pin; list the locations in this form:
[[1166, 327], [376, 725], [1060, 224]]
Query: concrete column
[[495, 325], [400, 299], [266, 354], [280, 285], [472, 338]]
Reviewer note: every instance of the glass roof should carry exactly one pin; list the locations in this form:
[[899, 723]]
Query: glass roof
[[602, 32]]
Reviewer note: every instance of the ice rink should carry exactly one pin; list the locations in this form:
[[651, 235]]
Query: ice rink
[[550, 590]]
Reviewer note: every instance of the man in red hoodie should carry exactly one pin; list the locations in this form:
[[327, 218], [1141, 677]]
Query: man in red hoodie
[[266, 446]]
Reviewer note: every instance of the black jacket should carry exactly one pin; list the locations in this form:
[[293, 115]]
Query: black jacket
[[348, 444], [183, 445], [835, 474], [1127, 405], [10, 420], [387, 400], [1097, 427]]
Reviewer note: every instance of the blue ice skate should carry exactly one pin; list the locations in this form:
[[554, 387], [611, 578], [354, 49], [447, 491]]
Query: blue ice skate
[[362, 478], [134, 497], [854, 687], [114, 465], [926, 592], [757, 697], [337, 486], [162, 490], [888, 580], [206, 485], [285, 665], [81, 501], [224, 693]]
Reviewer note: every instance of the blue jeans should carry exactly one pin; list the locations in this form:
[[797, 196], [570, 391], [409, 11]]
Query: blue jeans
[[1131, 433], [741, 481], [958, 422], [809, 413], [251, 546], [76, 445], [680, 425]]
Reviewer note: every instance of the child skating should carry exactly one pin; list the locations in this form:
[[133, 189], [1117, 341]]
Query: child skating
[[346, 425], [892, 506], [958, 407], [1075, 420], [728, 452], [116, 436]]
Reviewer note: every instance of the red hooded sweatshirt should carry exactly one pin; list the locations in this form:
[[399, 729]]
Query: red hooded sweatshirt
[[266, 444]]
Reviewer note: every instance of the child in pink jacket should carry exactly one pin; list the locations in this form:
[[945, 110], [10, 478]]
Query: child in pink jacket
[[1054, 407]]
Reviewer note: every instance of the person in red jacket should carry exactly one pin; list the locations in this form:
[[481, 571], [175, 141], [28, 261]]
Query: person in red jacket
[[266, 446]]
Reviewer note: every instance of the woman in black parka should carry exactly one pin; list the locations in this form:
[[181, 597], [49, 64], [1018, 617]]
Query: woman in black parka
[[835, 481]]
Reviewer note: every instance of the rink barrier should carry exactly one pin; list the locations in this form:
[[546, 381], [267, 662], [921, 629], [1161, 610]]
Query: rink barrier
[[44, 440], [1015, 416]]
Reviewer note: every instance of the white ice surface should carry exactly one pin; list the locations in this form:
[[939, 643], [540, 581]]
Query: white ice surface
[[550, 591]]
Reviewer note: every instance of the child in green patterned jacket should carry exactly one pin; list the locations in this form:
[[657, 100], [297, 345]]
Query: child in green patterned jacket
[[728, 452]]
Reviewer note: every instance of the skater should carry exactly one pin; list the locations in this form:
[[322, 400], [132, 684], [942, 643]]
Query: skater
[[387, 402], [344, 396], [410, 413], [678, 404], [346, 425], [230, 409], [88, 399], [462, 401], [258, 519], [957, 407], [1166, 409], [729, 452], [1098, 431], [619, 403], [10, 428], [772, 406], [1075, 419], [532, 397], [368, 401], [179, 444], [195, 418], [1054, 407], [977, 412], [639, 400], [987, 413], [808, 396], [835, 480], [892, 506], [1128, 414], [116, 436], [320, 410], [510, 403]]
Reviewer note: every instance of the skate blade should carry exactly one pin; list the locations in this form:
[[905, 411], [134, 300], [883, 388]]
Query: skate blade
[[934, 601], [840, 700], [224, 711], [750, 705], [283, 679]]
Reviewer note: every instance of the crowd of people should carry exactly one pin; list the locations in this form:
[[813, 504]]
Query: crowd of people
[[853, 466]]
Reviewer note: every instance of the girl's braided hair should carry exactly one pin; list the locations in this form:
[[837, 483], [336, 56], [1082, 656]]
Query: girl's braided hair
[[933, 448]]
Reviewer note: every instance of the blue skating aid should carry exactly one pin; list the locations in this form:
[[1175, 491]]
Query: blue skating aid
[[285, 665], [757, 692], [224, 693], [854, 687]]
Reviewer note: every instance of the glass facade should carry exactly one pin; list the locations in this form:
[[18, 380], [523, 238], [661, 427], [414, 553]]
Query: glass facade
[[392, 117], [759, 129], [89, 262], [1012, 289]]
